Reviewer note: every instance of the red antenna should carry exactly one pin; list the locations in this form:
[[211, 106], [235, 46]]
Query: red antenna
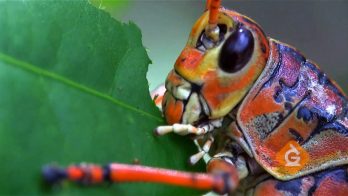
[[207, 4], [212, 30]]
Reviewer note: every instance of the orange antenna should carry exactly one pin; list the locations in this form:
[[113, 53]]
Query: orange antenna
[[207, 5], [212, 30]]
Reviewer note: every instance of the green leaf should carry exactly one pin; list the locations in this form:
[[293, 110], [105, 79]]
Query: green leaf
[[73, 89], [110, 5]]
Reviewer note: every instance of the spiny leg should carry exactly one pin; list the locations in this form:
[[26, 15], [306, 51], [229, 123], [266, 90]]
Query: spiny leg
[[220, 180], [185, 129]]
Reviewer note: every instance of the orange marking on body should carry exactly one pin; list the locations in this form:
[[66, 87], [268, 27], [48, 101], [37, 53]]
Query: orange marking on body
[[215, 89], [282, 135], [256, 109], [267, 188], [174, 79], [96, 173], [74, 173], [158, 100], [189, 59], [173, 109]]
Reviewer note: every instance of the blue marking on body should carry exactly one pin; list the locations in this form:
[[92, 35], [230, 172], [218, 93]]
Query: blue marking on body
[[293, 187], [305, 114]]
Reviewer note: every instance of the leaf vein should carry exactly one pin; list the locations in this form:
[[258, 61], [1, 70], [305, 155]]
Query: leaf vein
[[34, 69]]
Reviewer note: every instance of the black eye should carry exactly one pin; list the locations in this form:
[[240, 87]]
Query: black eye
[[237, 50]]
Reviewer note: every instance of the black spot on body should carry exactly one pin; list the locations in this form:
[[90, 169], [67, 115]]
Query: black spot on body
[[106, 173], [296, 135], [288, 106], [263, 48], [277, 95]]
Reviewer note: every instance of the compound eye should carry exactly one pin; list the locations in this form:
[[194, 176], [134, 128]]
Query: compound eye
[[237, 50]]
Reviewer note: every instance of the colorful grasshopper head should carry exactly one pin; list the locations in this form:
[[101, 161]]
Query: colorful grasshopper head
[[210, 77]]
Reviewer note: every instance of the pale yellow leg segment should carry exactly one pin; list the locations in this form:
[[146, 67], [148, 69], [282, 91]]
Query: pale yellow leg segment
[[185, 129], [182, 129], [202, 152]]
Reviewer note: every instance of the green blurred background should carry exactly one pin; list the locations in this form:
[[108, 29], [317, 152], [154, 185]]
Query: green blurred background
[[317, 28]]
